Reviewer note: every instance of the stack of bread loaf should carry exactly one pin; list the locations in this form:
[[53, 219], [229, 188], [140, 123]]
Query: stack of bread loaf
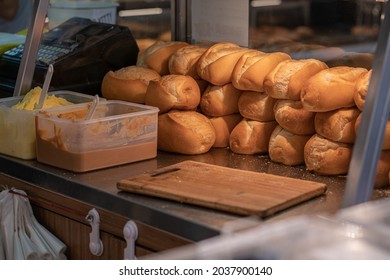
[[330, 94], [299, 112]]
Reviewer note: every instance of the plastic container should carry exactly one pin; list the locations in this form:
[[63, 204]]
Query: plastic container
[[119, 132], [61, 11], [17, 127]]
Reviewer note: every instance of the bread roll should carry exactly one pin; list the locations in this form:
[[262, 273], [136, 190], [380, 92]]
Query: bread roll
[[128, 83], [327, 157], [331, 89], [219, 101], [185, 132], [256, 106], [157, 55], [337, 125], [286, 80], [287, 148], [251, 69], [386, 137], [361, 88], [223, 127], [218, 61], [184, 61], [251, 137], [291, 116], [173, 92]]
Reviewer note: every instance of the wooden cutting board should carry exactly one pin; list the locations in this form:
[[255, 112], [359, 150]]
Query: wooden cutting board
[[236, 191]]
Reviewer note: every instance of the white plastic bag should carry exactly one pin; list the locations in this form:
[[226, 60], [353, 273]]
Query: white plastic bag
[[7, 225], [21, 235]]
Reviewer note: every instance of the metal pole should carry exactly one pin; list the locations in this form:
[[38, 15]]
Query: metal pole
[[179, 20], [368, 144], [31, 47]]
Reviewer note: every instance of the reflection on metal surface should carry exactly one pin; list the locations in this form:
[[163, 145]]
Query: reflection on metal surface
[[264, 3], [140, 12]]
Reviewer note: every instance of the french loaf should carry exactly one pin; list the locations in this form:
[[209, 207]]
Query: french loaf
[[251, 137], [185, 132], [337, 125], [173, 92], [331, 89], [128, 83], [184, 61], [256, 106], [252, 67], [218, 61], [287, 148], [217, 101], [286, 80], [157, 55], [290, 115], [327, 157]]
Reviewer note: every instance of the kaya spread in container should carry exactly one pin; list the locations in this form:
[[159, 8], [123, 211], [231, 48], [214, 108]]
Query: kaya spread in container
[[119, 132], [30, 100]]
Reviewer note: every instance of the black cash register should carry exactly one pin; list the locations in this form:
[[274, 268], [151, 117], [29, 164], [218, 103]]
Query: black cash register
[[81, 51]]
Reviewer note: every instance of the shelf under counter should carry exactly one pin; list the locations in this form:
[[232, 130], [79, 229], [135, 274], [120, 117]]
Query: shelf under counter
[[98, 188]]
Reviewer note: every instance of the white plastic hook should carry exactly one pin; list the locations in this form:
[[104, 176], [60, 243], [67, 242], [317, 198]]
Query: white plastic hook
[[95, 243], [130, 233]]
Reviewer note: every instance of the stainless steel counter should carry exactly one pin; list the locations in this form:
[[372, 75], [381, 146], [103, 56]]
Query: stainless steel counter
[[194, 223]]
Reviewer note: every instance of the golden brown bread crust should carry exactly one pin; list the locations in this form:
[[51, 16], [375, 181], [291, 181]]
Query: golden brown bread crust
[[361, 88], [292, 117], [327, 157], [128, 83], [331, 89], [386, 138], [337, 125], [287, 148], [256, 106], [217, 62], [286, 80], [217, 101], [173, 92], [157, 55], [251, 137], [185, 132], [223, 127], [184, 61], [251, 69]]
